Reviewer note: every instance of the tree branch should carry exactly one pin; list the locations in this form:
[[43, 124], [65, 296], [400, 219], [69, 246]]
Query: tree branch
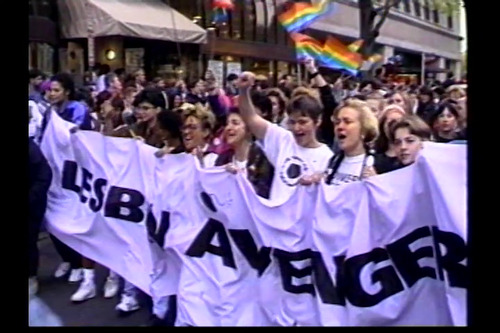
[[386, 8]]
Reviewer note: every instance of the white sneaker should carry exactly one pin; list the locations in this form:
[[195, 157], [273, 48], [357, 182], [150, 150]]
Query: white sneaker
[[75, 275], [127, 304], [62, 269], [33, 286], [111, 287], [85, 291]]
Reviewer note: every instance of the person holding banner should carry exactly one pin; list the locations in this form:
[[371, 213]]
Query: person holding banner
[[407, 136], [295, 153], [245, 155], [63, 102], [356, 128], [197, 132]]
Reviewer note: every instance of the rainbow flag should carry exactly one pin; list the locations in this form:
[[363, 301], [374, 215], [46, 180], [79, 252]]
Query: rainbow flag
[[301, 15], [336, 53], [354, 47], [306, 46]]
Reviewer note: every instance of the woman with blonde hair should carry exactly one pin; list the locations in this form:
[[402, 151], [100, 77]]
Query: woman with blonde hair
[[356, 128], [197, 132]]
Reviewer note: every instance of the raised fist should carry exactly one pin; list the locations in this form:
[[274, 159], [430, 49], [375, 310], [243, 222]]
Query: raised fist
[[246, 80]]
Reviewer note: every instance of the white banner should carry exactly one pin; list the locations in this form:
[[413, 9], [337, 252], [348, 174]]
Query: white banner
[[388, 251]]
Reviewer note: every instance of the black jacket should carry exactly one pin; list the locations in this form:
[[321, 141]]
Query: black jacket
[[325, 131], [259, 170], [425, 111], [40, 177]]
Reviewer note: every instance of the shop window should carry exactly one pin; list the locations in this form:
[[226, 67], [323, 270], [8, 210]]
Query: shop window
[[260, 21], [42, 57], [271, 21], [250, 22]]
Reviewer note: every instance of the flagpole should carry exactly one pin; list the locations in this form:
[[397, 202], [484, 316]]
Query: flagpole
[[299, 74], [422, 78]]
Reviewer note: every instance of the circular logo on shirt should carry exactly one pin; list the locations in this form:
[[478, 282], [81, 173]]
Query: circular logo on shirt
[[292, 169]]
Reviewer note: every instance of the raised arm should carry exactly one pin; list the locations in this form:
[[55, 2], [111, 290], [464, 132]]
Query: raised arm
[[325, 132], [256, 124]]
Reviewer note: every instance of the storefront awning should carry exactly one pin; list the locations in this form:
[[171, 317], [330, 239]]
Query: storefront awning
[[149, 19]]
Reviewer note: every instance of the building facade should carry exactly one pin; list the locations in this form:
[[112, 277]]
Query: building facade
[[43, 35], [422, 36], [252, 39]]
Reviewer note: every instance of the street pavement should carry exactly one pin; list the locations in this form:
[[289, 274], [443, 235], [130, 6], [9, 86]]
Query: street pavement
[[97, 311]]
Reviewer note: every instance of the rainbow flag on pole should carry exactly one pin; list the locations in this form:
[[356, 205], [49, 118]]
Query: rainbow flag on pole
[[336, 53], [306, 46], [301, 15]]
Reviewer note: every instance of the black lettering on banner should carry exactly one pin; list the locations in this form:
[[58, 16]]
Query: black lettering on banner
[[387, 277], [96, 204], [407, 261], [86, 176], [115, 202], [203, 243], [288, 271], [328, 292], [70, 168], [258, 259], [456, 251], [155, 232]]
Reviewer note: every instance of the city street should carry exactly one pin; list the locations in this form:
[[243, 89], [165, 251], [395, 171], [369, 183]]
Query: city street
[[98, 311]]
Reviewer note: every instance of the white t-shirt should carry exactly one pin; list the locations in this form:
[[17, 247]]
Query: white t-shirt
[[290, 160], [35, 123], [350, 170], [209, 159]]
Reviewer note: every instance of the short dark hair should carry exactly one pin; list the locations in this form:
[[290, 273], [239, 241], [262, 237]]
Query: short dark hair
[[232, 77], [170, 121], [120, 71], [415, 126], [102, 97], [152, 96], [262, 101], [84, 94], [104, 69], [34, 73], [306, 105], [66, 82], [426, 91], [445, 105]]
